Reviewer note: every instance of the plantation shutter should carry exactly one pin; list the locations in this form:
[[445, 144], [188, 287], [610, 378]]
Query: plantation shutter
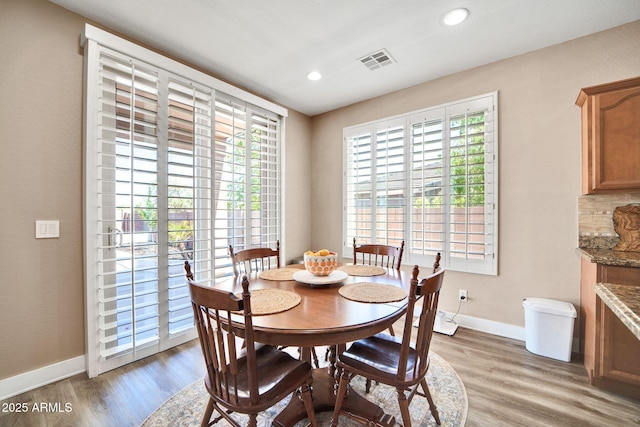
[[472, 186], [388, 160], [124, 291], [427, 186], [374, 190], [151, 165], [359, 207], [247, 185], [189, 194], [265, 178], [430, 178], [169, 178], [230, 191]]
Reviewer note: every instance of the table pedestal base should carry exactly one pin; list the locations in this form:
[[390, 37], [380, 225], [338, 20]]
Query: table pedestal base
[[324, 399]]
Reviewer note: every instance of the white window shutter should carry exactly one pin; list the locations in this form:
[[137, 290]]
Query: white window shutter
[[435, 168], [166, 170]]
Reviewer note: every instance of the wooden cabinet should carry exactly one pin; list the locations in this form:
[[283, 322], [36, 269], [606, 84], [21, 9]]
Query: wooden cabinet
[[610, 136], [611, 352]]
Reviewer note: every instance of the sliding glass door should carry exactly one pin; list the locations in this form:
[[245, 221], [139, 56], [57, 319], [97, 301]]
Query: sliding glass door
[[174, 171]]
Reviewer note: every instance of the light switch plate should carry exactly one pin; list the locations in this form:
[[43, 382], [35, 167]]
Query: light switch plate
[[47, 229]]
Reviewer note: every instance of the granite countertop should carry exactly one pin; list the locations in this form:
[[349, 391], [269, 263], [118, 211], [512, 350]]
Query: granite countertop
[[611, 257], [624, 302]]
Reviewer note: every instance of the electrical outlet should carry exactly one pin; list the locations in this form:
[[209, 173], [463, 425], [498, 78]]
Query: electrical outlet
[[463, 295]]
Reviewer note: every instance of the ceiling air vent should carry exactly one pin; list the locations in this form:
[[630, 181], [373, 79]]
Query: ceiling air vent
[[376, 60]]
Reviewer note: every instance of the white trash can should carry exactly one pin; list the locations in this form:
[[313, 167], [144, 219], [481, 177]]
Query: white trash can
[[548, 327]]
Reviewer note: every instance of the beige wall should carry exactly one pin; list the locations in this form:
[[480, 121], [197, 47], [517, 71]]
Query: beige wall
[[41, 281], [539, 148], [297, 186], [42, 303]]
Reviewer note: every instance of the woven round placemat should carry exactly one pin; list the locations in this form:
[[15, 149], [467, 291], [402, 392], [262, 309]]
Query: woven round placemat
[[363, 270], [278, 274], [271, 301], [372, 292]]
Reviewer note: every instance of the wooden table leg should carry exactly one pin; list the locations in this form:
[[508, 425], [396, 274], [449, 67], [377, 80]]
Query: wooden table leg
[[324, 398]]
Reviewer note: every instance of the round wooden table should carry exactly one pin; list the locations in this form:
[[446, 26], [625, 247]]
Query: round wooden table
[[324, 317]]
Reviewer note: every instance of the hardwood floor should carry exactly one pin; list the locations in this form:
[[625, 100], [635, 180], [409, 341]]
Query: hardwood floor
[[506, 385], [120, 398]]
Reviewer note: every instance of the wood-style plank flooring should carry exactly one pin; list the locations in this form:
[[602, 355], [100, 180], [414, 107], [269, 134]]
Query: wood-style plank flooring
[[506, 385]]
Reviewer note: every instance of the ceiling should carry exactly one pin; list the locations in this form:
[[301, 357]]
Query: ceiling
[[268, 47]]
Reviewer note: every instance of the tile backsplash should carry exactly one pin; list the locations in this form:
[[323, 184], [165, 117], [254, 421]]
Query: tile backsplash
[[595, 218]]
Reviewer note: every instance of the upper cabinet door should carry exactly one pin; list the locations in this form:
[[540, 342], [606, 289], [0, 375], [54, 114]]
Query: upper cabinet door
[[611, 137]]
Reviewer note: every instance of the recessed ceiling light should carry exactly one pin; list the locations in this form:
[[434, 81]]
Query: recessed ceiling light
[[455, 17], [314, 75]]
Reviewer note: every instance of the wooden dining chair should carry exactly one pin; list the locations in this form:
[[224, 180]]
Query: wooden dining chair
[[247, 261], [257, 259], [386, 256], [394, 361], [379, 255], [436, 267], [245, 380]]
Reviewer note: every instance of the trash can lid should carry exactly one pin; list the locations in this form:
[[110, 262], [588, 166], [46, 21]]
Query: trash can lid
[[544, 305]]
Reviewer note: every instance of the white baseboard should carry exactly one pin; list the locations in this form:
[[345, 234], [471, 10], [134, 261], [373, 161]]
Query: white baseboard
[[13, 386], [488, 326], [499, 329]]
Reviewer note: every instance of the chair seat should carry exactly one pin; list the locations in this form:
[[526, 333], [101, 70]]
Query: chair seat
[[277, 372], [377, 358]]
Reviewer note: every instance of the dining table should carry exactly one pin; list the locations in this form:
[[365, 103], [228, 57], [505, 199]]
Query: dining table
[[324, 317]]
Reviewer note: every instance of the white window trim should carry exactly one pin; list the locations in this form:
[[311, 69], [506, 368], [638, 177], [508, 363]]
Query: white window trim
[[489, 267]]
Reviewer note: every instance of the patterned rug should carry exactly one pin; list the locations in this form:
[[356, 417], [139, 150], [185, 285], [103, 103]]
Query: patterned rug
[[186, 408]]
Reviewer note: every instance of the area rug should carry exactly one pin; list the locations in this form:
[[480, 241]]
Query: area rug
[[186, 408]]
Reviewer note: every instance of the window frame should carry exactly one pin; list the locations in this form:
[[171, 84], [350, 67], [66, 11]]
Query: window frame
[[470, 263]]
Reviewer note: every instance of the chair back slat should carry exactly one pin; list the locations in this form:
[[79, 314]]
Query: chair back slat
[[231, 345], [219, 356], [250, 260], [203, 325], [380, 255]]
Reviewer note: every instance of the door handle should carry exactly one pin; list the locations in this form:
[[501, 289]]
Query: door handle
[[115, 237]]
